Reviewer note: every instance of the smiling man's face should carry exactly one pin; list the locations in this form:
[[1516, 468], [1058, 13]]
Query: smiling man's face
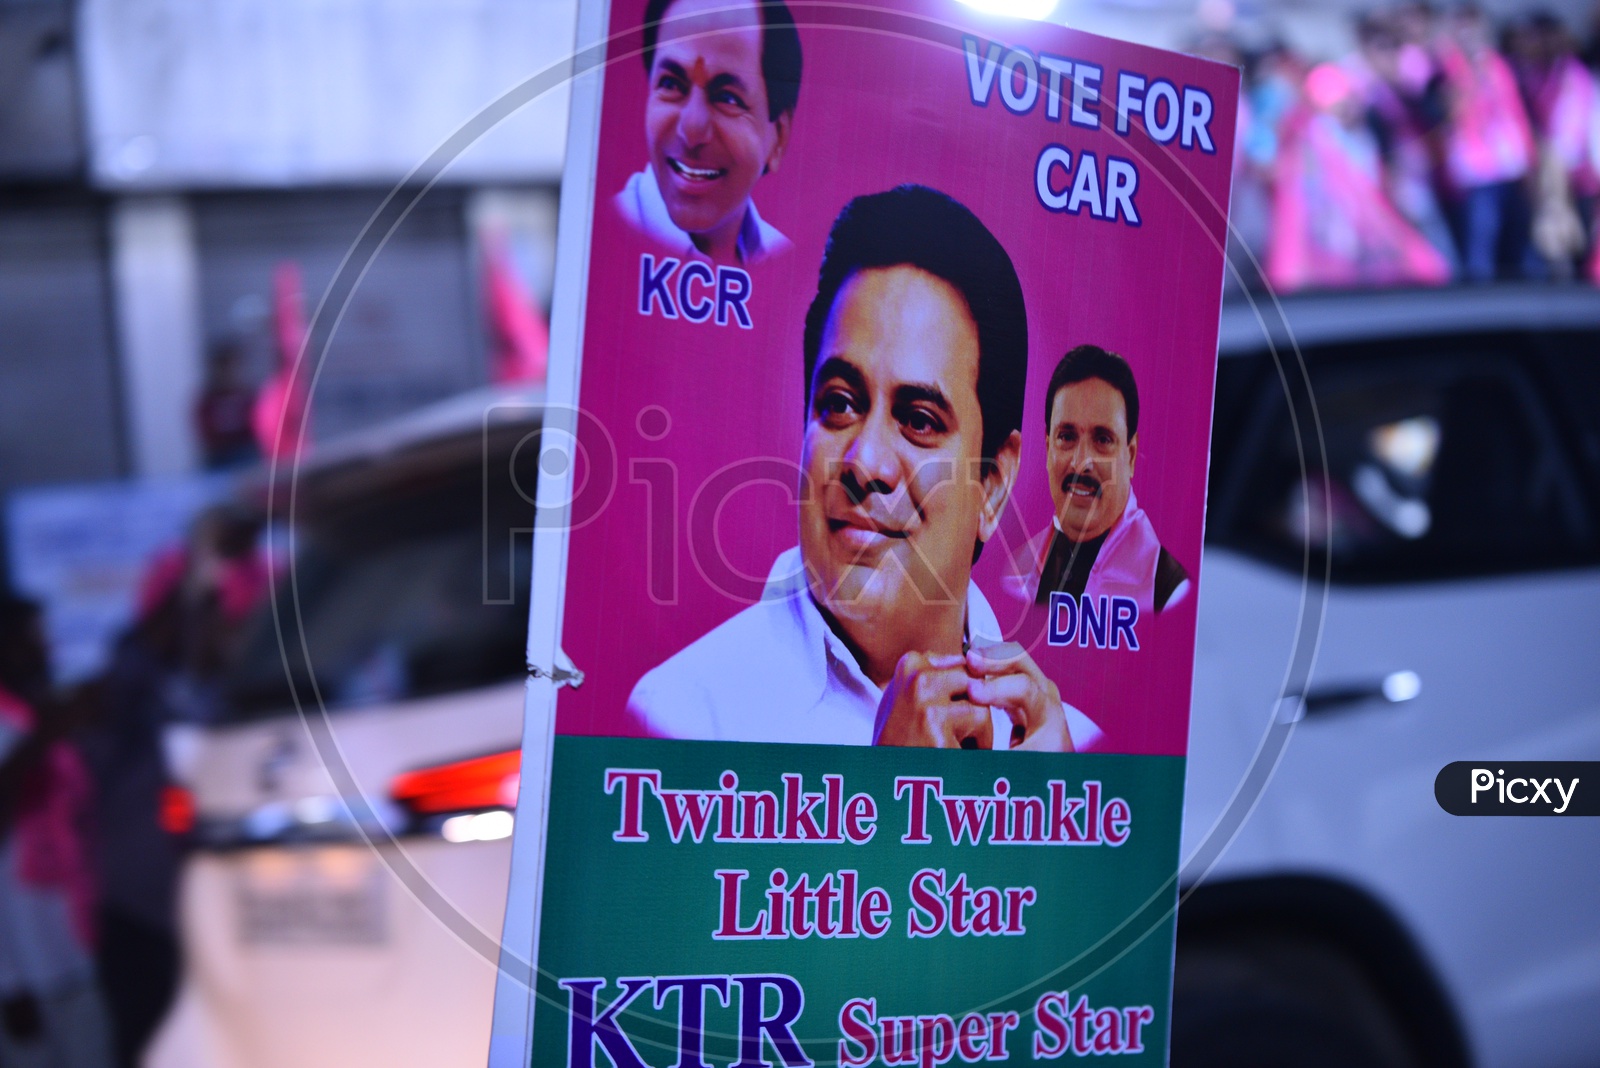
[[892, 449], [706, 120], [1091, 457]]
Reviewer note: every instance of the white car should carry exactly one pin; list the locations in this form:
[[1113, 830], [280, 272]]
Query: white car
[[1351, 921], [1334, 915], [303, 945]]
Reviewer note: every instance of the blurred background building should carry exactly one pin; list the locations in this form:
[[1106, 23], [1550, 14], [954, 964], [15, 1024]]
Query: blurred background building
[[158, 161]]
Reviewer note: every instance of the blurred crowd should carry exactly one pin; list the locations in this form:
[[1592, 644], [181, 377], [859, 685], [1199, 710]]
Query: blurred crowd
[[93, 822], [1445, 147]]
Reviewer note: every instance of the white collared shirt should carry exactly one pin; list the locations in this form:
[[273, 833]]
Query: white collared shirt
[[641, 204], [776, 672]]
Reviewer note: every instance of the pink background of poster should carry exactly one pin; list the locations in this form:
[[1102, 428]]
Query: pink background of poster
[[878, 107]]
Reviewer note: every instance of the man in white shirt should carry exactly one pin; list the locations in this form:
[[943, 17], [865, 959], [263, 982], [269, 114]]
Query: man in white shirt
[[723, 83], [871, 631]]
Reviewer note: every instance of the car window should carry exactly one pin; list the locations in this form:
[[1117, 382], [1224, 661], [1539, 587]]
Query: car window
[[401, 594], [1443, 459], [1570, 363]]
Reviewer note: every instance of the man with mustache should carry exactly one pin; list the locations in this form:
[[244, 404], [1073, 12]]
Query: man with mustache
[[871, 630], [724, 78], [1100, 542]]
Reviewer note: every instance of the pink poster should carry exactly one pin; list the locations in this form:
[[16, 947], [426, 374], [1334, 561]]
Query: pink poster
[[894, 381], [980, 415]]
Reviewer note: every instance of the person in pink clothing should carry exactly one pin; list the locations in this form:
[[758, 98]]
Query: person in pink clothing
[[1393, 78], [1489, 151], [1562, 99], [1100, 541], [1564, 106], [51, 1012], [1334, 223]]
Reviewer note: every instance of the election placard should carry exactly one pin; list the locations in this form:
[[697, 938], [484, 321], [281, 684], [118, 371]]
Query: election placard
[[873, 491]]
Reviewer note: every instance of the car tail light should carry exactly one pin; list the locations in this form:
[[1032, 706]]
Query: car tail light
[[176, 815], [486, 782]]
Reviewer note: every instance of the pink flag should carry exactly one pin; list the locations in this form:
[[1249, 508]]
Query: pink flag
[[280, 409], [519, 335]]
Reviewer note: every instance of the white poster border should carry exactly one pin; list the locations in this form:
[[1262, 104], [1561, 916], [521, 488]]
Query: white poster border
[[511, 1033]]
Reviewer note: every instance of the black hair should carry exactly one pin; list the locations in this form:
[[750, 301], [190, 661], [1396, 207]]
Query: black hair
[[915, 226], [1092, 361], [1375, 29], [1546, 21], [780, 51]]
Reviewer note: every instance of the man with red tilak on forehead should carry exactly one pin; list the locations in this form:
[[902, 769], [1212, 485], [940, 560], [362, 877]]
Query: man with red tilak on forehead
[[724, 77]]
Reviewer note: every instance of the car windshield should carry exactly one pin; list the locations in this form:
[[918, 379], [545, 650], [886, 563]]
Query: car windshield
[[396, 594]]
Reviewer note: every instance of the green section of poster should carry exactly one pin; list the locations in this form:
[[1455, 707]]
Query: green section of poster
[[883, 940]]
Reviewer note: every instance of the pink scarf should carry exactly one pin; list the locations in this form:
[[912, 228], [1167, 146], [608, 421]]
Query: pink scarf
[[1333, 223], [1126, 566], [1489, 140]]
